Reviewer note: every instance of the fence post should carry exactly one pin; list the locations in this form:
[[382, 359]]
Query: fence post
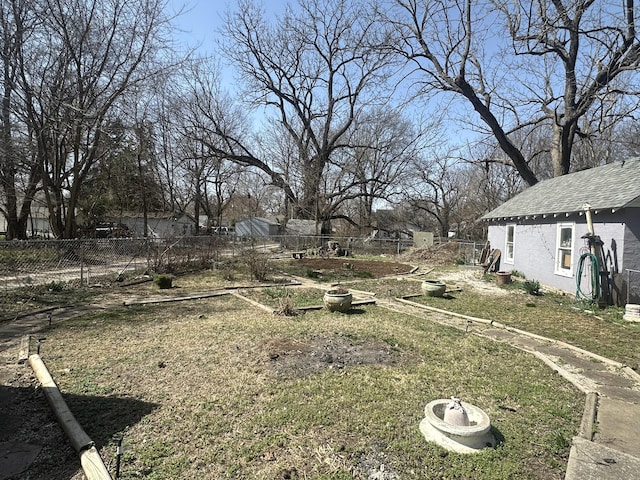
[[82, 267]]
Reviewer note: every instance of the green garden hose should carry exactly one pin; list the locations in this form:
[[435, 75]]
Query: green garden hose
[[595, 277]]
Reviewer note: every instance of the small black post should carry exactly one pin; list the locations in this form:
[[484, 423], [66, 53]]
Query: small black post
[[38, 343], [118, 455]]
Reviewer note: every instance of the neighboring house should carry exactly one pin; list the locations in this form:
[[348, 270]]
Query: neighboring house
[[38, 225], [159, 225], [387, 224], [540, 231], [257, 227]]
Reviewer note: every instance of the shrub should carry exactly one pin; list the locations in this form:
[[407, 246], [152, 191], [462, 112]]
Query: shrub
[[287, 307], [163, 281], [313, 273], [532, 287], [257, 263]]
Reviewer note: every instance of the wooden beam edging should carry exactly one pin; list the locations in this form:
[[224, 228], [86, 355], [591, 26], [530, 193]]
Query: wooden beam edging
[[265, 285], [366, 301], [218, 293], [30, 313], [253, 302], [266, 308], [447, 312], [355, 303], [90, 459], [176, 299]]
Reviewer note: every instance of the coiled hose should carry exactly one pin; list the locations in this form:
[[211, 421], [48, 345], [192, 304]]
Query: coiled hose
[[595, 277]]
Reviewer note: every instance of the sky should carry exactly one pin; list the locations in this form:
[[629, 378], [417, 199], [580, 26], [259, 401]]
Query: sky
[[199, 22], [202, 18]]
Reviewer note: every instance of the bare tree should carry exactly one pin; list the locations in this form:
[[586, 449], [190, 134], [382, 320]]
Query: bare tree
[[384, 147], [314, 71], [438, 190], [558, 61], [202, 112], [212, 181], [19, 171], [85, 56]]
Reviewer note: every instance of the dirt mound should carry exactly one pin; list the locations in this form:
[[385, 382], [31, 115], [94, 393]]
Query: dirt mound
[[436, 255]]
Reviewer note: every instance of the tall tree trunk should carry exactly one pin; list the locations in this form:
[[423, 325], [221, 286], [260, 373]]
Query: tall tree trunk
[[7, 152]]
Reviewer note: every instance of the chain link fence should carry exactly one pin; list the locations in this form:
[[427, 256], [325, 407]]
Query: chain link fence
[[38, 262], [324, 244], [631, 286], [91, 261]]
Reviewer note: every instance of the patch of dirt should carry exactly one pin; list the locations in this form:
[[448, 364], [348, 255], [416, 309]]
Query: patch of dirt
[[291, 357], [473, 279], [374, 465], [437, 255], [30, 423], [346, 265]]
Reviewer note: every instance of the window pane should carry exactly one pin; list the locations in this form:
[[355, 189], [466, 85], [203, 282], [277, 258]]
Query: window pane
[[565, 237], [564, 249], [510, 230]]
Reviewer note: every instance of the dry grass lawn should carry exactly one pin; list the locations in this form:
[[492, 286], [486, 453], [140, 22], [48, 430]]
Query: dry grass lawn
[[218, 389]]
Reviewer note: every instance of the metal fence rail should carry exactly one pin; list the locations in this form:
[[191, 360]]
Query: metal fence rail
[[90, 261]]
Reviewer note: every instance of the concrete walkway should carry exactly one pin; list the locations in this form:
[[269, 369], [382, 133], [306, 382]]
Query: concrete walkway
[[606, 447], [608, 443]]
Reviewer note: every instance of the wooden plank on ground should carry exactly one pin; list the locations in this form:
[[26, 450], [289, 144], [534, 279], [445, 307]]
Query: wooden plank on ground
[[355, 303], [25, 348], [176, 299], [253, 302]]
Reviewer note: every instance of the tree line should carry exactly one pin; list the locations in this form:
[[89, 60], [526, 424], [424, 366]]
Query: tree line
[[438, 110]]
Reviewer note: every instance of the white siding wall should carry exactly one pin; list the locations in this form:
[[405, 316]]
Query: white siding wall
[[536, 244]]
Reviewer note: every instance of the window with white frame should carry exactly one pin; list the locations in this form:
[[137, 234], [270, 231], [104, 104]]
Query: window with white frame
[[509, 250], [564, 249]]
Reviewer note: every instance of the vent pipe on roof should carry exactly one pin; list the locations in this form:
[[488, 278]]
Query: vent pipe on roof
[[587, 212]]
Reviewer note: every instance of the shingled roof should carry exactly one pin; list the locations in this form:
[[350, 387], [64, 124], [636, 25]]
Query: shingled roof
[[610, 187]]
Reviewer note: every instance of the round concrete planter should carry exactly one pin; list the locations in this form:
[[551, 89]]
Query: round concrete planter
[[632, 312], [433, 288], [338, 301]]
